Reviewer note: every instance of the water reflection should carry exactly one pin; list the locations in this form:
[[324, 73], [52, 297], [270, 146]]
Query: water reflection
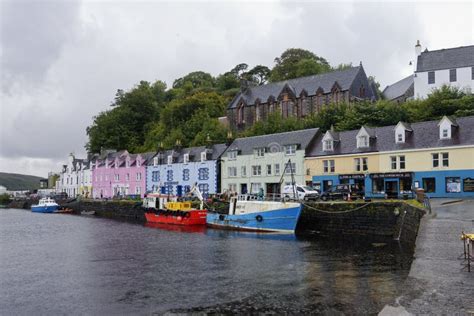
[[60, 264]]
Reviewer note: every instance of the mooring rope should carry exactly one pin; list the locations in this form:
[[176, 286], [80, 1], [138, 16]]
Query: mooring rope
[[336, 212]]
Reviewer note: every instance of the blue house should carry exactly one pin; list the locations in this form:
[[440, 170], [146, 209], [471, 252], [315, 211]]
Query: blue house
[[175, 171]]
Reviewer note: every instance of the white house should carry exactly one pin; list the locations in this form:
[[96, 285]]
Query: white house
[[450, 66], [75, 178]]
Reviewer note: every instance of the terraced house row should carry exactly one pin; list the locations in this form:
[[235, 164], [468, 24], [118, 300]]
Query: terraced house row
[[388, 161]]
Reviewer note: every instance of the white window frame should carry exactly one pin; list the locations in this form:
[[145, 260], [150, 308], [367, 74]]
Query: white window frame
[[155, 161], [185, 158], [290, 150], [232, 155], [259, 152], [269, 170], [328, 145], [243, 171], [203, 156], [256, 170], [232, 172], [329, 166], [138, 176], [276, 167]]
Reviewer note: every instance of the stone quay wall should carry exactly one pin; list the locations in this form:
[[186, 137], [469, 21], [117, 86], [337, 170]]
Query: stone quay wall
[[122, 210], [394, 220]]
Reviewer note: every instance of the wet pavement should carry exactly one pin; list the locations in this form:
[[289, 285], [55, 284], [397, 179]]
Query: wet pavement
[[438, 282]]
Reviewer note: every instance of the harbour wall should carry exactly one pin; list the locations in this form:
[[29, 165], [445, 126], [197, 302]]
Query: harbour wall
[[394, 220]]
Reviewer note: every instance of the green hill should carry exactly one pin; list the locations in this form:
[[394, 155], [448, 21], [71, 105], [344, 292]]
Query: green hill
[[15, 181]]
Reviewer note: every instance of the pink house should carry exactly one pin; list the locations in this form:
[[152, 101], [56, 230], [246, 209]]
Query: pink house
[[119, 174]]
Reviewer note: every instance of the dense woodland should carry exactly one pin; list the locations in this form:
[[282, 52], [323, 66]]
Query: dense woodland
[[151, 113]]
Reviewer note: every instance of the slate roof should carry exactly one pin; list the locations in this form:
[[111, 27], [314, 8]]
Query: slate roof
[[246, 145], [424, 135], [399, 88], [194, 153], [310, 84], [446, 58]]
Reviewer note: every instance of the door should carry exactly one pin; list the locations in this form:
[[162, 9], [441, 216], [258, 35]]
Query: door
[[243, 188], [391, 189], [326, 185], [273, 188]]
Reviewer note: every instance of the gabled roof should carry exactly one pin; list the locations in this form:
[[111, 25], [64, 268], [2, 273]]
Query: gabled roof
[[399, 88], [246, 145], [446, 58], [310, 84], [425, 135], [194, 152], [405, 125]]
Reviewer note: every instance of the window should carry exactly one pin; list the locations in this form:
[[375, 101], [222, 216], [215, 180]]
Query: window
[[472, 73], [232, 187], [431, 77], [452, 75], [186, 158], [255, 187], [402, 162], [259, 152], [127, 163], [155, 176], [232, 155], [361, 164], [232, 171], [378, 186], [429, 185], [139, 163], [185, 174], [204, 188], [277, 169], [203, 173], [393, 162], [139, 176], [117, 177], [138, 190], [155, 161], [127, 177], [444, 133], [363, 142], [445, 159], [243, 171], [169, 175], [328, 166], [256, 170], [453, 184], [399, 138], [170, 160], [328, 145], [203, 156], [435, 158], [269, 170], [290, 150], [290, 168]]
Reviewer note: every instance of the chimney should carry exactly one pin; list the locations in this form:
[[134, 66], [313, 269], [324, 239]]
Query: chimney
[[244, 84], [418, 48]]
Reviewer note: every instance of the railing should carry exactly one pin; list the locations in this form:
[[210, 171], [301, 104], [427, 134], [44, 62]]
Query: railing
[[277, 197]]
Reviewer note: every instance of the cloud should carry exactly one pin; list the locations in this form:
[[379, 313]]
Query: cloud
[[62, 62]]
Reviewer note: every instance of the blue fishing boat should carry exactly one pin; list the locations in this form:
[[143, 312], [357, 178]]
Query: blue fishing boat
[[252, 213], [45, 205]]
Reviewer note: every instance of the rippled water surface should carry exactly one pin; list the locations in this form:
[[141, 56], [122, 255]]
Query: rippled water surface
[[58, 264]]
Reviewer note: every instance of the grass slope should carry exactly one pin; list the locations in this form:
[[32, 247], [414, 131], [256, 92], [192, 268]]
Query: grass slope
[[15, 181]]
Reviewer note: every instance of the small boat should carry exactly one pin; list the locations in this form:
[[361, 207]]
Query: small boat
[[45, 205], [167, 209], [252, 213]]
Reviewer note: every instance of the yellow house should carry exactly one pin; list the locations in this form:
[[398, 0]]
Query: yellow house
[[393, 160]]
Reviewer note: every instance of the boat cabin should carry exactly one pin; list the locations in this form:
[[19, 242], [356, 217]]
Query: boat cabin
[[165, 202]]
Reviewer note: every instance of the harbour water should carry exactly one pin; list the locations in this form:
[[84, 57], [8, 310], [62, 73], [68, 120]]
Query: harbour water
[[65, 264]]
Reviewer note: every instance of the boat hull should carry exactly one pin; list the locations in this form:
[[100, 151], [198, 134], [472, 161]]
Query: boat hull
[[282, 220], [193, 217], [44, 209]]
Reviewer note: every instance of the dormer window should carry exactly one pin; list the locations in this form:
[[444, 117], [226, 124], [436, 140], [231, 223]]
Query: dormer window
[[170, 160], [362, 142], [155, 161], [446, 126], [400, 138], [203, 156], [445, 134], [139, 163], [127, 163], [232, 155], [186, 158], [259, 152], [290, 150], [328, 145]]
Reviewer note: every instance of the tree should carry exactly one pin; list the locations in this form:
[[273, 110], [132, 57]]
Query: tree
[[343, 66], [287, 67], [258, 74], [193, 80]]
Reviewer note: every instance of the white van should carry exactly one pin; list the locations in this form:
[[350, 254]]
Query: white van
[[303, 192]]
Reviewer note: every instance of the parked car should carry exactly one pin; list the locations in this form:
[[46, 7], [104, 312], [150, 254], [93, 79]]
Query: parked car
[[342, 191], [302, 192], [59, 196]]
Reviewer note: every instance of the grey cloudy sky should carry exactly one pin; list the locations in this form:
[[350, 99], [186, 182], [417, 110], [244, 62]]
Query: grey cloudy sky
[[62, 62]]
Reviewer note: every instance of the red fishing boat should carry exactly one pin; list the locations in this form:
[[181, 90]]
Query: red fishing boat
[[166, 209]]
